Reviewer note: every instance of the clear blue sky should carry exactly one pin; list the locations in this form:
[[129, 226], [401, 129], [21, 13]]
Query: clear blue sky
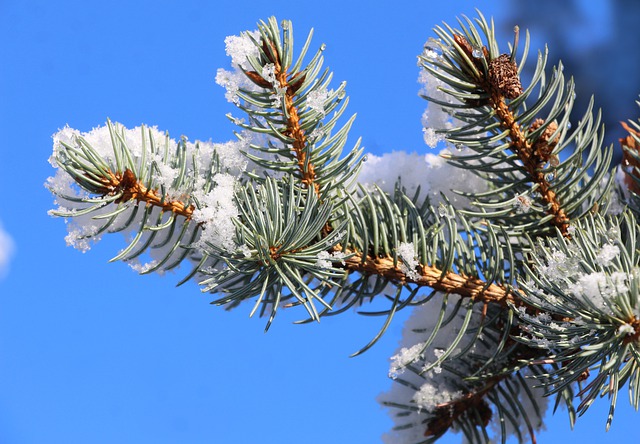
[[92, 353]]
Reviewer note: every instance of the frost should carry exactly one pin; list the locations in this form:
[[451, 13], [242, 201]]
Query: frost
[[403, 358], [607, 254], [316, 99], [626, 330], [406, 251]]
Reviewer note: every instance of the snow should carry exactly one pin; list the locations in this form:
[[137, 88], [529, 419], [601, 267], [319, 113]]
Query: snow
[[435, 118], [559, 266], [216, 210], [626, 330], [431, 395], [522, 204], [431, 172], [423, 391], [412, 357], [315, 101], [404, 357], [607, 254], [407, 252], [600, 288], [326, 259], [239, 47]]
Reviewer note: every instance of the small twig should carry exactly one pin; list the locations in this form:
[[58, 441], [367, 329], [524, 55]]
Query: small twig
[[131, 188]]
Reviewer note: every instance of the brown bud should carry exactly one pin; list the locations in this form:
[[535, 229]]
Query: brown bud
[[296, 81], [257, 79], [128, 180], [271, 52], [543, 146], [464, 44], [629, 162], [503, 76]]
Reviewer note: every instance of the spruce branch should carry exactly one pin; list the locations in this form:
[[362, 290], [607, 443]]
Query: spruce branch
[[591, 285], [127, 186], [290, 106], [517, 147], [529, 293]]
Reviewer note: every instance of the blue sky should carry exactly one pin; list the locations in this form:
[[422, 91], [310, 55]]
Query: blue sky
[[90, 352]]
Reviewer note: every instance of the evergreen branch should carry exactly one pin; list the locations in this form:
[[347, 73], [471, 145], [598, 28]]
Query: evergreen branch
[[291, 85], [293, 230], [629, 170], [434, 397], [290, 105], [394, 240], [113, 179], [283, 259], [592, 285], [516, 150]]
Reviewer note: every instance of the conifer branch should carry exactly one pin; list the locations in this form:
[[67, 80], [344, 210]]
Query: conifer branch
[[290, 86], [502, 82]]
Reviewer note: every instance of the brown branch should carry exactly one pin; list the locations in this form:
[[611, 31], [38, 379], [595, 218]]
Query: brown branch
[[531, 162], [131, 188], [430, 276]]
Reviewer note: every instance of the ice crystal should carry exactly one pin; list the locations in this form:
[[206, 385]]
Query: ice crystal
[[406, 251], [607, 254]]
